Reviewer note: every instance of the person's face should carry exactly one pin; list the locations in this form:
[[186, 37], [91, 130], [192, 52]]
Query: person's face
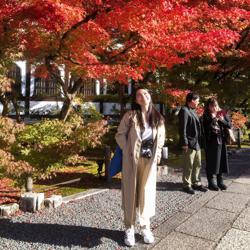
[[194, 103], [214, 108], [143, 98]]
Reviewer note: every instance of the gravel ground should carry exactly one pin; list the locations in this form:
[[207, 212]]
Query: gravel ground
[[94, 222]]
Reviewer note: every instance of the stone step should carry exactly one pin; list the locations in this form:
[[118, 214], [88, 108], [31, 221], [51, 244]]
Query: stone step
[[31, 202], [53, 201], [9, 209]]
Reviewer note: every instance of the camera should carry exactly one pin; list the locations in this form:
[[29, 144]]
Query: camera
[[146, 153], [147, 148]]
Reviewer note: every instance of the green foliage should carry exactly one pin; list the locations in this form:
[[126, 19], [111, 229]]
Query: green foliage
[[47, 145], [90, 114], [41, 148], [40, 143], [109, 137], [110, 98]]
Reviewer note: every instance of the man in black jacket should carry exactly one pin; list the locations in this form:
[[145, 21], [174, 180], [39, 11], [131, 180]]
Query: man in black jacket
[[190, 140]]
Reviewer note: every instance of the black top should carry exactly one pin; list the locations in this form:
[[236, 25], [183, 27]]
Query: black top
[[189, 128]]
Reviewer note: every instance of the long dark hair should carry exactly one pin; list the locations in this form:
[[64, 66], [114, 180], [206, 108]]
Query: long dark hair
[[154, 116], [210, 101]]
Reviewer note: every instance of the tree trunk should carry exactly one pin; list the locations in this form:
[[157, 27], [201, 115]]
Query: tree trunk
[[66, 108], [16, 107], [5, 104], [68, 91]]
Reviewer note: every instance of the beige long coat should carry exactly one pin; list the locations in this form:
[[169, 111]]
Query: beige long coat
[[128, 138]]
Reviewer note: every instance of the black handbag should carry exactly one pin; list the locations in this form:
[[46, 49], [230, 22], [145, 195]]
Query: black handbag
[[230, 138]]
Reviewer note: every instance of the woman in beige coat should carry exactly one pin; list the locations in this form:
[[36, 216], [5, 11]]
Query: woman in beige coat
[[141, 136]]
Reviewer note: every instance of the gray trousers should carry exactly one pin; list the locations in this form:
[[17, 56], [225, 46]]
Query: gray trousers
[[191, 168]]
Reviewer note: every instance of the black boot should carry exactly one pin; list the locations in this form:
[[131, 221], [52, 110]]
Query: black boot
[[220, 183], [211, 184]]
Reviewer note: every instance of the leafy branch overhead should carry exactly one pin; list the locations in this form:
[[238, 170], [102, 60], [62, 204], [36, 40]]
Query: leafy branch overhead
[[118, 40]]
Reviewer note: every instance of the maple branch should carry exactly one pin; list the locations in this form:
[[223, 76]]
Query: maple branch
[[146, 77], [76, 26], [244, 36], [106, 58], [109, 60], [236, 47], [70, 59], [227, 72], [76, 86], [87, 18], [127, 49]]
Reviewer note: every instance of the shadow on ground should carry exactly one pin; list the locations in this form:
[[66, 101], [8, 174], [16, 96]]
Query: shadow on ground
[[237, 163], [169, 186], [58, 235]]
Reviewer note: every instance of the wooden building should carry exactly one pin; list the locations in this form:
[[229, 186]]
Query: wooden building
[[37, 96]]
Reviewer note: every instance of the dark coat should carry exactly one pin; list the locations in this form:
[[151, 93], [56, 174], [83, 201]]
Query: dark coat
[[189, 128], [215, 145]]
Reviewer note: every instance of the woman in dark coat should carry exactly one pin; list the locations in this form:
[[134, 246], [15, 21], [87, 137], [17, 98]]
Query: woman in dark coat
[[215, 122]]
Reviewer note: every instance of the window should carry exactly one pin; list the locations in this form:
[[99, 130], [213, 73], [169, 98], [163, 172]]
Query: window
[[46, 87], [15, 74], [88, 87]]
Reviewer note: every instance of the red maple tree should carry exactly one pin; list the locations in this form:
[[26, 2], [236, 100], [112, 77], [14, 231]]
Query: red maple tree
[[119, 39]]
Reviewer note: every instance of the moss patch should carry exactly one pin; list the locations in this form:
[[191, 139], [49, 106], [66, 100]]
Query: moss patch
[[87, 176], [60, 190]]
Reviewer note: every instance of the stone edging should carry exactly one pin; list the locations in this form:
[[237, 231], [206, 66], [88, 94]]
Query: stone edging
[[32, 202], [82, 195]]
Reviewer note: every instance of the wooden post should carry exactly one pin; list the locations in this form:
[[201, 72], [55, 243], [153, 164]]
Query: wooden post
[[162, 111], [27, 89], [29, 184], [121, 98], [107, 156], [238, 138], [101, 107]]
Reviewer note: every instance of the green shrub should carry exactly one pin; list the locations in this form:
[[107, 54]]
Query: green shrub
[[39, 149]]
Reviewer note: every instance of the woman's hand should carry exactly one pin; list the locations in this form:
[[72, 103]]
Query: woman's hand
[[213, 115], [220, 116]]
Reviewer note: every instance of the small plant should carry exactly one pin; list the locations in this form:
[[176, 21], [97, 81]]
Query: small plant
[[8, 130], [238, 120], [14, 169]]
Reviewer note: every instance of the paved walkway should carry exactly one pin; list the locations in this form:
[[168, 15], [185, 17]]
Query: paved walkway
[[214, 220], [217, 220]]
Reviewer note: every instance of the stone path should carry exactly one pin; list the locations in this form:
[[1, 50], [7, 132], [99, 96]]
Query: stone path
[[217, 220]]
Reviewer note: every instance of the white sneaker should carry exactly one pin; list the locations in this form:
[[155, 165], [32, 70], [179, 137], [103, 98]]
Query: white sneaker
[[148, 236], [130, 237]]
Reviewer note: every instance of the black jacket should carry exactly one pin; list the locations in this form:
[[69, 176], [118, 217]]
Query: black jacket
[[190, 128], [215, 145], [207, 121]]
